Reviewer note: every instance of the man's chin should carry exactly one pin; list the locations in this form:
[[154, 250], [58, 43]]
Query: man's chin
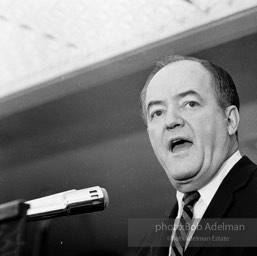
[[184, 177], [185, 183]]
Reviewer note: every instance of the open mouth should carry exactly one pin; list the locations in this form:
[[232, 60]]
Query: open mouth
[[180, 144]]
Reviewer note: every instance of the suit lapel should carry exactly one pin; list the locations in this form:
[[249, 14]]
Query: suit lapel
[[224, 196], [217, 209], [162, 239], [157, 244], [174, 211]]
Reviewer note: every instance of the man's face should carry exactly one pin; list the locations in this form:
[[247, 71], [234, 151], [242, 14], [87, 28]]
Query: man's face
[[186, 126]]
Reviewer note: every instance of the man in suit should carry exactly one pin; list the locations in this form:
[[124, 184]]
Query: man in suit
[[191, 109]]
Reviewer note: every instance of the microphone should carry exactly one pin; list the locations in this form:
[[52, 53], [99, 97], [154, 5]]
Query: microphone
[[70, 202]]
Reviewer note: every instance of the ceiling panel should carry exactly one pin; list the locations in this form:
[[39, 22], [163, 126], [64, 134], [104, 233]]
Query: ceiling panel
[[44, 39]]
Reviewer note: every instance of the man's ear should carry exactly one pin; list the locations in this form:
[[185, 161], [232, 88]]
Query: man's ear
[[233, 119]]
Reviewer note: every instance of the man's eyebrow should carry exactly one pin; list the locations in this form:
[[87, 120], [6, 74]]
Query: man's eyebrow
[[180, 95], [152, 103], [189, 92]]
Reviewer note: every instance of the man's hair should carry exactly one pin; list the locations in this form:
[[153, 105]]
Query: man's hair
[[224, 86]]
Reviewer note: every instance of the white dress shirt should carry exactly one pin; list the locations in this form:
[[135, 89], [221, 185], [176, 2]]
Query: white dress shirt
[[207, 192]]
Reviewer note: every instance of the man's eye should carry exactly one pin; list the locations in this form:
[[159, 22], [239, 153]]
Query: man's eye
[[192, 104], [156, 113]]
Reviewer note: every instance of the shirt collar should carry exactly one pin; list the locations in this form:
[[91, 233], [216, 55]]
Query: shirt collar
[[209, 190]]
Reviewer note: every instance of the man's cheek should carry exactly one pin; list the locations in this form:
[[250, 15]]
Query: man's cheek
[[154, 137], [205, 129]]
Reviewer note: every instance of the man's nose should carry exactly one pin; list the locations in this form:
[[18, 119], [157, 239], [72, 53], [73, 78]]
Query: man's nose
[[173, 119]]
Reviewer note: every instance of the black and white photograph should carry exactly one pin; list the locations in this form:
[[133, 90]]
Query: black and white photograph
[[128, 128]]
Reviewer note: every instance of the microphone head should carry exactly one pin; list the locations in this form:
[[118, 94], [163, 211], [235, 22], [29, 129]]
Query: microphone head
[[70, 202]]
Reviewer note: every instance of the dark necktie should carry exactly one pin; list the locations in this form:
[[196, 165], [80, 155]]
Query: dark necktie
[[180, 236]]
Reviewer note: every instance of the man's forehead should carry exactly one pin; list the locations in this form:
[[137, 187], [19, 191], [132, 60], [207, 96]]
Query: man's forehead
[[181, 68], [180, 75]]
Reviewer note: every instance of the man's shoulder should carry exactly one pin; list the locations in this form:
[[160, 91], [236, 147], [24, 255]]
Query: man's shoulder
[[234, 198], [251, 185], [245, 184], [248, 171], [243, 172]]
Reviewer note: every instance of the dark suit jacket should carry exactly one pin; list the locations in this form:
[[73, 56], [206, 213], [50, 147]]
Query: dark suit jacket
[[235, 198]]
